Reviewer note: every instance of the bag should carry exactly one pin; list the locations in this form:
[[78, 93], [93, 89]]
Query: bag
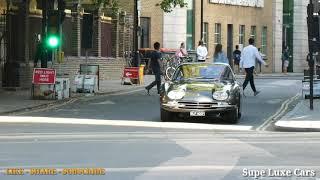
[[237, 57]]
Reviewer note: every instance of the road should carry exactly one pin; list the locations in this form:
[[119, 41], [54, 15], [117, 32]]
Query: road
[[129, 153], [138, 106], [143, 153]]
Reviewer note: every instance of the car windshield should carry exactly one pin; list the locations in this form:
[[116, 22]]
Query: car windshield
[[199, 71]]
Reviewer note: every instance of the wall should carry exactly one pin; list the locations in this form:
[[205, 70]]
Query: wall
[[237, 15], [300, 36], [277, 34], [174, 28], [149, 9], [110, 68]]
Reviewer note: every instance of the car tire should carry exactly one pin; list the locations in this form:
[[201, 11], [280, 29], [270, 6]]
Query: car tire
[[239, 107], [232, 116], [166, 116]]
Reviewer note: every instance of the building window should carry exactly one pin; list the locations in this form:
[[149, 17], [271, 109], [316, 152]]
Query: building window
[[264, 40], [145, 32], [242, 31], [205, 34], [190, 30], [253, 33], [217, 33]]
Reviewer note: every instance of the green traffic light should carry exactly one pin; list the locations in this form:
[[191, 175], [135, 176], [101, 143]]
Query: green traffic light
[[53, 41]]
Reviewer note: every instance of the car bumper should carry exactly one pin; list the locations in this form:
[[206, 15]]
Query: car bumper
[[212, 111]]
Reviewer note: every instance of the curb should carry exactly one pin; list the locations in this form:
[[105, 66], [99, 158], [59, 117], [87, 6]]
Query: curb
[[41, 106], [66, 101], [272, 120], [294, 129]]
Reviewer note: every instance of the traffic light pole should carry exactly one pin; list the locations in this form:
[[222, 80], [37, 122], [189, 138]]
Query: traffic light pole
[[312, 37]]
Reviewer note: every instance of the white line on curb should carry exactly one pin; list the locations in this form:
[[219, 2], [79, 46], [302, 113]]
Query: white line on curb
[[169, 125], [279, 113]]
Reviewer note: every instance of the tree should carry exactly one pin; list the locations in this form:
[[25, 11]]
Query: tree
[[168, 5]]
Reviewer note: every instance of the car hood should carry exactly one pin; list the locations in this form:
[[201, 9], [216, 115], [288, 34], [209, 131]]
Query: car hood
[[201, 91]]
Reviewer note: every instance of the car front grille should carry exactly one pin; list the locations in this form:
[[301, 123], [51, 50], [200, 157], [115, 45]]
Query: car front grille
[[197, 105]]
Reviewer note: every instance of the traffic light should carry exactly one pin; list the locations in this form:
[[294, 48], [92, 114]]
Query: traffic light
[[87, 31], [53, 30]]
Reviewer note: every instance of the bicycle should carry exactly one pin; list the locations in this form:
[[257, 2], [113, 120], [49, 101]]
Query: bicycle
[[173, 64], [168, 63]]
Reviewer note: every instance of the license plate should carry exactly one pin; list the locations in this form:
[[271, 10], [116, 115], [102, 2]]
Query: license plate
[[197, 113]]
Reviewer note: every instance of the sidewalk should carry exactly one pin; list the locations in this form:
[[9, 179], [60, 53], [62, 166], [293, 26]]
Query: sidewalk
[[301, 118], [11, 101], [266, 75]]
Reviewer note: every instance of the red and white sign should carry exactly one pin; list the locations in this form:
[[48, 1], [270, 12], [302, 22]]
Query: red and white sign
[[44, 76], [131, 72]]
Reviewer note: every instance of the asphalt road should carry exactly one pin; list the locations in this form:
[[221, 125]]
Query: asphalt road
[[138, 106], [157, 154], [144, 153]]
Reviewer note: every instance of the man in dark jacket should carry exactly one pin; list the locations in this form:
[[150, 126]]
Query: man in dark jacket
[[155, 64]]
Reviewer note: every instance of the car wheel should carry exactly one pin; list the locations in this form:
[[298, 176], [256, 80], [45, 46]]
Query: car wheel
[[232, 116], [166, 116], [239, 108]]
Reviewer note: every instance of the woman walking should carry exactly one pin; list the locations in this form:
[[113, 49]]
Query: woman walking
[[219, 56]]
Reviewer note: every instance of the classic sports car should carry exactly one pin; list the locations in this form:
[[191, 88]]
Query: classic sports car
[[201, 90]]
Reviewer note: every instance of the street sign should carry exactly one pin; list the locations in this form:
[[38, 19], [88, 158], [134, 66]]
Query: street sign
[[44, 76], [131, 72]]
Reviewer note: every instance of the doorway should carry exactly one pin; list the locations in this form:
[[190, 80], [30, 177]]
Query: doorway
[[230, 44]]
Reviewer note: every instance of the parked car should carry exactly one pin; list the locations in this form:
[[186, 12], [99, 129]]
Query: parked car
[[201, 90]]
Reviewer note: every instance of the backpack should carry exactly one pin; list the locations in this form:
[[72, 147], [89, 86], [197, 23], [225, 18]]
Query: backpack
[[237, 57]]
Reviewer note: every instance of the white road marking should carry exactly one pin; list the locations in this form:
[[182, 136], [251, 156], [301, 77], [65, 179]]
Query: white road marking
[[164, 141], [104, 103], [169, 125], [279, 113]]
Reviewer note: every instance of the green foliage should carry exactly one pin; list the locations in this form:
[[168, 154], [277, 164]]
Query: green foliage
[[112, 4], [168, 5]]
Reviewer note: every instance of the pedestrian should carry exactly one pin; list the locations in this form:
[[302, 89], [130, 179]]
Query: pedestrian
[[202, 52], [248, 61], [181, 52], [263, 56], [285, 60], [219, 56], [236, 58], [39, 55], [155, 64]]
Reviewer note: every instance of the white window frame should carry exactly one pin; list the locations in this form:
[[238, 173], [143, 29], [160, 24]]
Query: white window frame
[[217, 33], [253, 32], [264, 40], [205, 33], [242, 34]]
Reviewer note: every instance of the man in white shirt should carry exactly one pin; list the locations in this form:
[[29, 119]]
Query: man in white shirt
[[248, 61], [202, 52]]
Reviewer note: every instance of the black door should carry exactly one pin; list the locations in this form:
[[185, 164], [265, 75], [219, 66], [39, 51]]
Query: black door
[[145, 32], [230, 44]]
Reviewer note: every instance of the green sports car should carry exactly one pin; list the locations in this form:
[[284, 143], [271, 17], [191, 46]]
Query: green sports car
[[201, 90]]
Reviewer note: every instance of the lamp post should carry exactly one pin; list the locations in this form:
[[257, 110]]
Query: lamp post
[[201, 20], [135, 35]]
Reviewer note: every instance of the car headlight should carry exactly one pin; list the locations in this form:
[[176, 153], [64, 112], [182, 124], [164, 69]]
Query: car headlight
[[176, 94], [220, 95]]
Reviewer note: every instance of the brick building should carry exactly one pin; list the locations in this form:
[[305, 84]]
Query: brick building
[[225, 22], [21, 23]]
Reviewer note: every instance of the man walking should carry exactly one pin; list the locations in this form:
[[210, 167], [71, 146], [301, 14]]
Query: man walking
[[236, 59], [155, 66], [248, 61]]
